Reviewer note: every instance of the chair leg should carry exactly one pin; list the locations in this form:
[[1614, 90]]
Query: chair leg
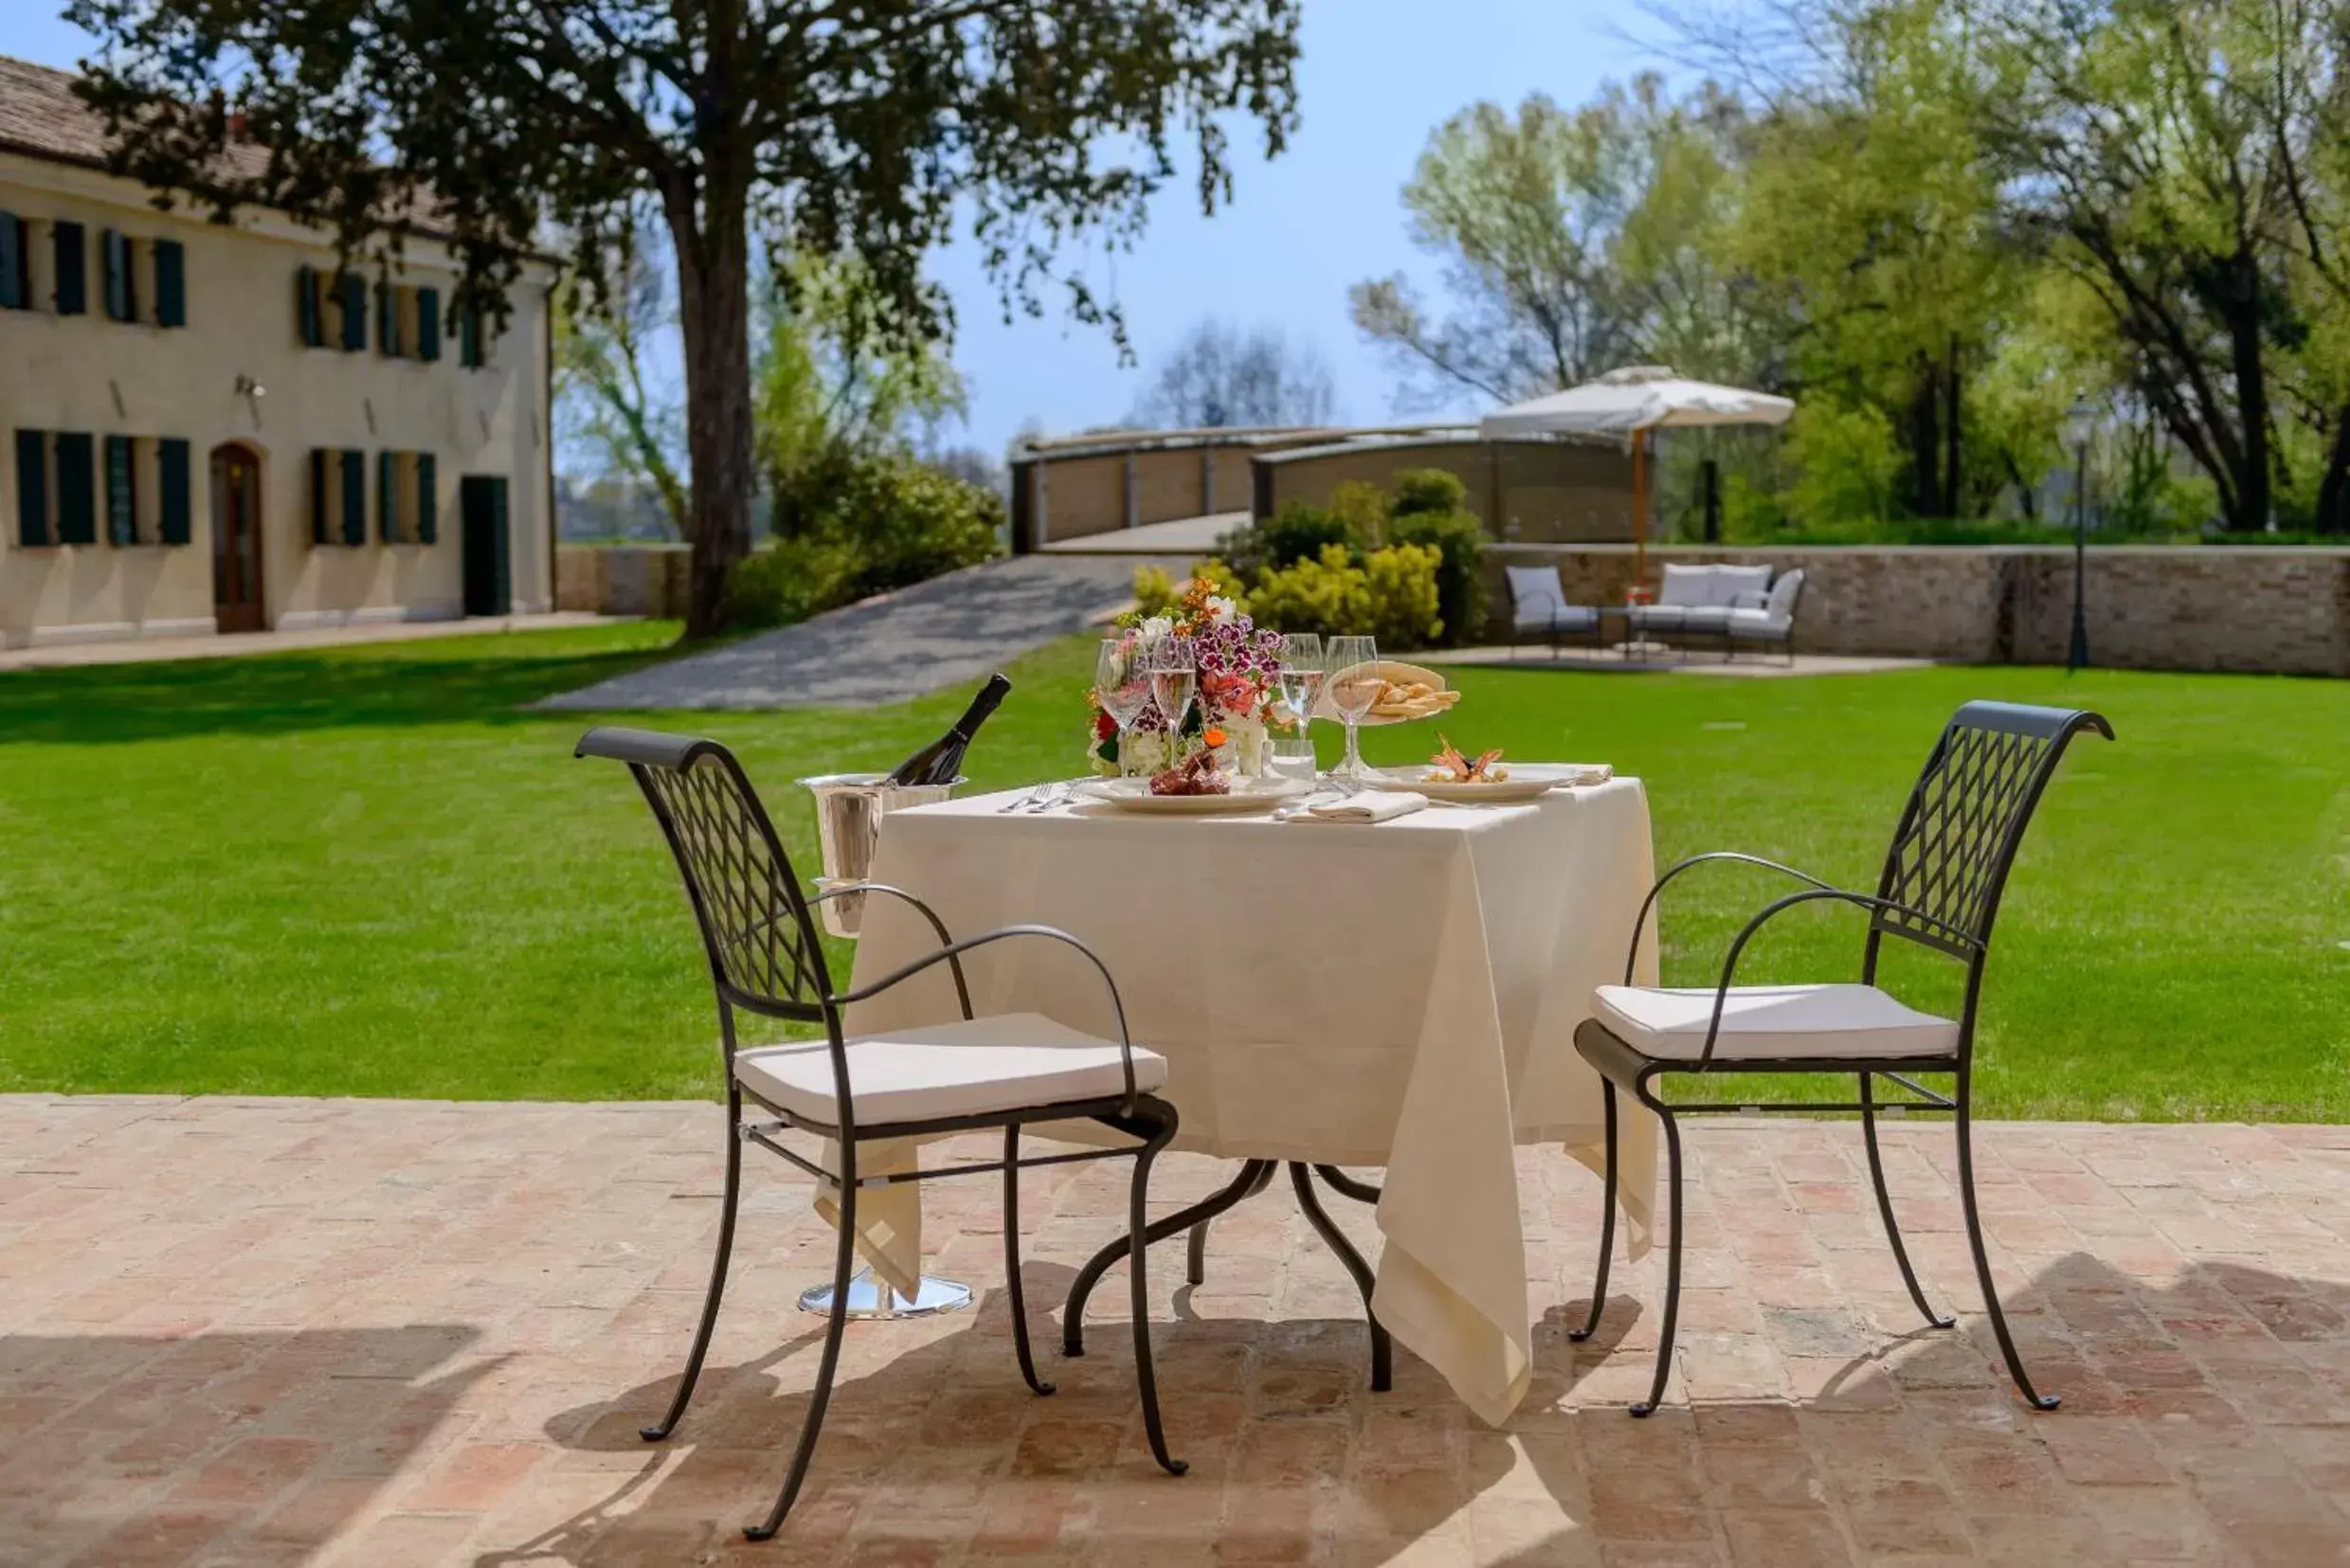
[[1885, 1204], [1607, 1224], [718, 1276], [844, 1264], [1011, 1263], [1673, 1264], [1195, 1261], [1137, 1231], [1965, 1121]]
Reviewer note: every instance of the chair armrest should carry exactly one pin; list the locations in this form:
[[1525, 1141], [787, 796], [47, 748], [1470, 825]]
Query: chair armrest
[[952, 953], [938, 927], [1632, 958], [1810, 895]]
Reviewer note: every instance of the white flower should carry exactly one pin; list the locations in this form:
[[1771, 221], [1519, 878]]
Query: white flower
[[1152, 631], [1220, 610]]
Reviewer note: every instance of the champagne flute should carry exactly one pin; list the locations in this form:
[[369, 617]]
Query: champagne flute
[[1300, 677], [1354, 684], [1174, 676], [1124, 687]]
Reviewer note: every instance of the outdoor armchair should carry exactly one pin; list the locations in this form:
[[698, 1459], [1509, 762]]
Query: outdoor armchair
[[1939, 889], [759, 935], [1538, 608]]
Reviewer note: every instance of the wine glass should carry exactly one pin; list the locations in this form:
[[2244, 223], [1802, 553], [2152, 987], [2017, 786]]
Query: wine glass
[[1124, 687], [1300, 677], [1174, 666], [1354, 683]]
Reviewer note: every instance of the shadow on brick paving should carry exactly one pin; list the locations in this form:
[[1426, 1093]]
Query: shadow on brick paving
[[1915, 1445], [949, 631]]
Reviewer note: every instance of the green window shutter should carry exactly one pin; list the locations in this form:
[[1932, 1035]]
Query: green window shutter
[[355, 497], [387, 320], [77, 488], [354, 292], [72, 248], [306, 306], [172, 474], [387, 495], [427, 500], [469, 336], [12, 262], [121, 493], [428, 325], [318, 457], [32, 488], [171, 283], [113, 253]]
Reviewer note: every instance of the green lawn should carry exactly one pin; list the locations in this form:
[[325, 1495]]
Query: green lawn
[[375, 871]]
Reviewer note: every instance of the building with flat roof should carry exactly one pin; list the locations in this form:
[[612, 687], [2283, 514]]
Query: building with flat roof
[[209, 428]]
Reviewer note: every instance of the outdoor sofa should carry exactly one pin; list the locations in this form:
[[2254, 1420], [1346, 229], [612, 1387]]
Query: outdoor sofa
[[1722, 605]]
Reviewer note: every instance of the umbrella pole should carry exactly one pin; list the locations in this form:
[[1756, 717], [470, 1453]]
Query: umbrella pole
[[1639, 508]]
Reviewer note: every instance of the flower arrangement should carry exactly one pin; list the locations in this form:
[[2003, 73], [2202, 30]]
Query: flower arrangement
[[1239, 677]]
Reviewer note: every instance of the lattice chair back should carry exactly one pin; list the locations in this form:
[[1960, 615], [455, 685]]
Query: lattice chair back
[[1958, 834], [763, 948]]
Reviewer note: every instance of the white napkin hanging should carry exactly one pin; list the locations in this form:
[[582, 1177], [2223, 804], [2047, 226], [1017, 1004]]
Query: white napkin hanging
[[1372, 805]]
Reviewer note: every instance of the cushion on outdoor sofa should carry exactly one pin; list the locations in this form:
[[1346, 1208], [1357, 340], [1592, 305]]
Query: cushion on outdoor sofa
[[1784, 592], [1685, 587], [1534, 596], [1731, 584], [1759, 624]]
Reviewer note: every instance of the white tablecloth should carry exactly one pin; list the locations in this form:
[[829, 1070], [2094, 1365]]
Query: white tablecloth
[[1403, 995]]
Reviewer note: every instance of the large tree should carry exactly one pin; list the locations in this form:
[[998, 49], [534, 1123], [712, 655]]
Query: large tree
[[1219, 376], [850, 128]]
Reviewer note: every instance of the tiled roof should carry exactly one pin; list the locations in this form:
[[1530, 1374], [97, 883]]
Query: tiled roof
[[39, 115]]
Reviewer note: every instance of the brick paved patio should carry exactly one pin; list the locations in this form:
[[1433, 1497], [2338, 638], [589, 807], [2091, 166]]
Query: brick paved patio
[[269, 1333]]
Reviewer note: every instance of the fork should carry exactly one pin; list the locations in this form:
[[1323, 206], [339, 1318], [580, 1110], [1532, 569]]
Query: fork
[[1025, 801], [1048, 796]]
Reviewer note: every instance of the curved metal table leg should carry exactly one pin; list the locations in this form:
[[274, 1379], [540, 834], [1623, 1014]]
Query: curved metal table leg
[[1195, 1268], [1252, 1180], [1382, 1349]]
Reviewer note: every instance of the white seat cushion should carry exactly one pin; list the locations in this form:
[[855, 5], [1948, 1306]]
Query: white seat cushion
[[1731, 584], [1575, 618], [1686, 585], [1010, 1062], [1758, 623], [1534, 591], [1706, 618], [1783, 595], [1762, 1022], [1658, 618]]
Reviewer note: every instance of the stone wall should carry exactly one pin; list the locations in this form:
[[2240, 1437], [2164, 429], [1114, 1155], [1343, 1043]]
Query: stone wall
[[2272, 609], [624, 578]]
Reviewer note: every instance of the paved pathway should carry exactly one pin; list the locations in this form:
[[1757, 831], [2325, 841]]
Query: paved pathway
[[949, 631], [154, 650], [375, 1334]]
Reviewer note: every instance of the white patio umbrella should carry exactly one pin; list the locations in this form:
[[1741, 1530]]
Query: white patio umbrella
[[1630, 403]]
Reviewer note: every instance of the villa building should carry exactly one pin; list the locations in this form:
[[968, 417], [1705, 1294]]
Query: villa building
[[215, 428]]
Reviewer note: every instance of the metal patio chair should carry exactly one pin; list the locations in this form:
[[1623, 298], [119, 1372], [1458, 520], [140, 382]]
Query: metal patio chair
[[764, 959], [1941, 889]]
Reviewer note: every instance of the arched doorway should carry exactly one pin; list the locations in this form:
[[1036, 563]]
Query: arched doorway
[[235, 539]]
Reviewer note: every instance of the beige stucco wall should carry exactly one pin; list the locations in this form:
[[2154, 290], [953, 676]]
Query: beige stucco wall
[[2272, 609], [89, 373], [1529, 490]]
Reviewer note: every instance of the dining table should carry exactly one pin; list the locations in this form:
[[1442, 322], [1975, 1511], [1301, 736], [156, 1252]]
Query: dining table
[[1400, 994]]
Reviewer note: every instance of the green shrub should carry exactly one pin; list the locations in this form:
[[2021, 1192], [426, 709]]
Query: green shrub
[[1391, 595], [1402, 583], [908, 522], [1361, 506], [1155, 592], [1428, 490], [1458, 539], [1329, 595], [1847, 462], [791, 579], [1296, 532]]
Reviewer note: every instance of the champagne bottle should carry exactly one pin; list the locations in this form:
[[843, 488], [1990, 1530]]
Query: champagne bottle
[[941, 762]]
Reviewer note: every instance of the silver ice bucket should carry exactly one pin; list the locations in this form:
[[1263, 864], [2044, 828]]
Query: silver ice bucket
[[849, 808]]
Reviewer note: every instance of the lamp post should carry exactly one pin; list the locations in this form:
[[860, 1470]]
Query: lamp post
[[2079, 425]]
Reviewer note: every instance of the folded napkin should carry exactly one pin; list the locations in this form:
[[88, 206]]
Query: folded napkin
[[1372, 805]]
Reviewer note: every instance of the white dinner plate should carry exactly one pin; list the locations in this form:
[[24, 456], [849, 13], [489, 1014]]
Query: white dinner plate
[[1526, 782], [1135, 795]]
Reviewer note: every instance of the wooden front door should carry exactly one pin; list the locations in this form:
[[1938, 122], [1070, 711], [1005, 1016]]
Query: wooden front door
[[236, 540], [481, 500]]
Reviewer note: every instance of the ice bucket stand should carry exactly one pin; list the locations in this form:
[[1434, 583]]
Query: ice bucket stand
[[849, 808]]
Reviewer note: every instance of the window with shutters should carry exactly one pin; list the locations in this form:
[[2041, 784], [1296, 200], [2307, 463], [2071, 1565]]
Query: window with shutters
[[338, 496], [354, 499], [309, 308], [170, 269], [350, 311], [172, 520], [36, 525], [428, 498], [121, 491], [117, 255], [428, 325], [74, 454], [469, 333], [69, 255], [391, 501], [15, 262]]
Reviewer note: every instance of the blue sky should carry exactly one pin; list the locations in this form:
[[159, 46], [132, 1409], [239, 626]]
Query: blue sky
[[1377, 75]]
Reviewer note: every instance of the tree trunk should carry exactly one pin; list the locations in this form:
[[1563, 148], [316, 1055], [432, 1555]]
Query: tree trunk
[[2334, 489], [2250, 513], [1924, 485], [1954, 497], [713, 288]]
